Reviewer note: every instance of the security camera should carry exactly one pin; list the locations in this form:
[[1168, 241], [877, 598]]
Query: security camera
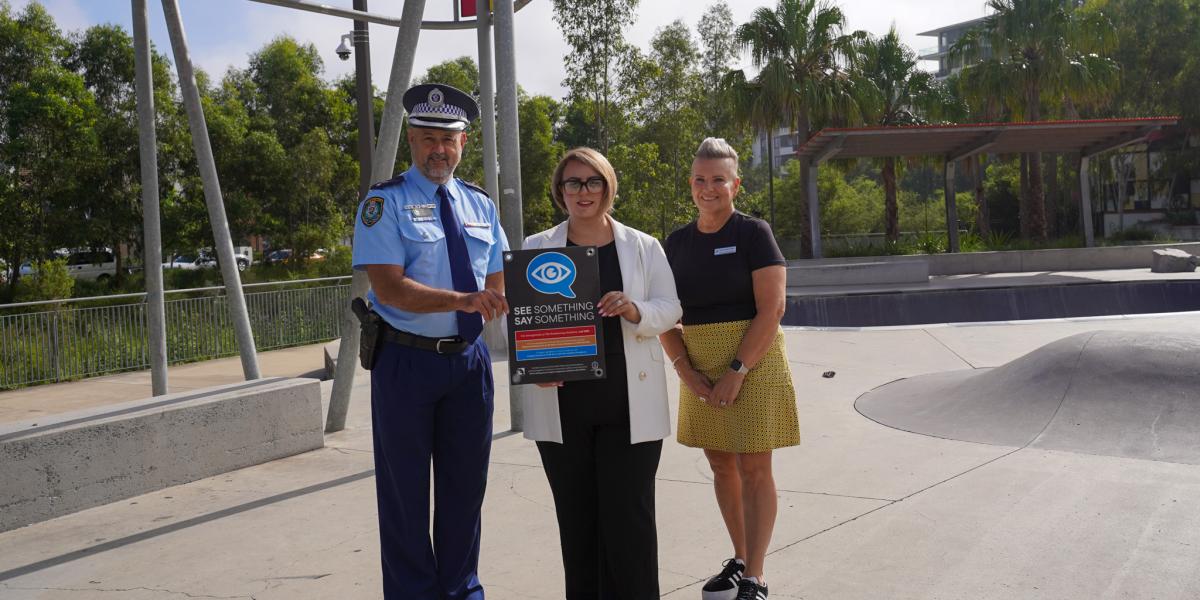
[[344, 49]]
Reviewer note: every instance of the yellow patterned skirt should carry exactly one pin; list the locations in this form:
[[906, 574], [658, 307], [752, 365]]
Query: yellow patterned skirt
[[764, 416]]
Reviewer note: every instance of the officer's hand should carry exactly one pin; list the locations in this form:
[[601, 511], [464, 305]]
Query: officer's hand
[[489, 303]]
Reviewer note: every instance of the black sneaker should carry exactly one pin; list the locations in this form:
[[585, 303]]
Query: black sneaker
[[748, 590], [724, 585]]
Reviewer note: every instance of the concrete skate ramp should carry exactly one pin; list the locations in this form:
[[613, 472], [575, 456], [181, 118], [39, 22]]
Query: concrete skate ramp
[[1113, 393], [1066, 299]]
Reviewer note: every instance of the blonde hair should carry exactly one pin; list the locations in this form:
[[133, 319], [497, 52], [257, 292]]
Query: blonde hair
[[714, 148], [593, 159]]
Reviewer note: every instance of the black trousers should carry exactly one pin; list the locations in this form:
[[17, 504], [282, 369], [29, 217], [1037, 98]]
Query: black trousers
[[603, 490]]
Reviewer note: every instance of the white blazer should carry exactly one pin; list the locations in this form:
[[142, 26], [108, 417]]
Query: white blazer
[[650, 285]]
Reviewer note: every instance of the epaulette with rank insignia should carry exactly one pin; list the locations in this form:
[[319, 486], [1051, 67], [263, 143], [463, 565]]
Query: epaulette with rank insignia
[[474, 187], [397, 180]]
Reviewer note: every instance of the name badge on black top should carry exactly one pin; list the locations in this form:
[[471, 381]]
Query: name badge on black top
[[724, 251]]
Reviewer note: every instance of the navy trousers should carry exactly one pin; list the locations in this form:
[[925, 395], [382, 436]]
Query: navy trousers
[[430, 407]]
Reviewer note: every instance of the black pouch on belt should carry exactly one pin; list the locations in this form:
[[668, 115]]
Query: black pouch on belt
[[371, 335]]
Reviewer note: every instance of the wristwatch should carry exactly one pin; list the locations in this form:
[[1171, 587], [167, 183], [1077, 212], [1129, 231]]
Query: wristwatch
[[737, 365]]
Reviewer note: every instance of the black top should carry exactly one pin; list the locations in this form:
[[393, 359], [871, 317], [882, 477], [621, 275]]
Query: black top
[[712, 270], [601, 402], [610, 280]]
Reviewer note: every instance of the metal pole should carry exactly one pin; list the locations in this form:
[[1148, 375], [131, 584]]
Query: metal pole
[[510, 156], [487, 97], [156, 324], [212, 191], [382, 162], [814, 210], [951, 208], [366, 114], [1085, 201]]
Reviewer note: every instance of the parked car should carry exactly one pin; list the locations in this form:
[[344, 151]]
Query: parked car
[[244, 255], [96, 265], [185, 262], [279, 255]]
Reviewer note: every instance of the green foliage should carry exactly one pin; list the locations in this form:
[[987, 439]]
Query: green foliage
[[539, 156], [641, 188], [594, 30], [50, 280]]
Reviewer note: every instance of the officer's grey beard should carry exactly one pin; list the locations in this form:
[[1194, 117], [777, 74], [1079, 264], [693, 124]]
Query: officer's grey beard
[[440, 172]]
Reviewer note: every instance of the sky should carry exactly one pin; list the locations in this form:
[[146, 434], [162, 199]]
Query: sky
[[223, 33]]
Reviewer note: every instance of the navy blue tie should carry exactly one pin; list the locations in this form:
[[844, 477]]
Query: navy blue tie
[[470, 325]]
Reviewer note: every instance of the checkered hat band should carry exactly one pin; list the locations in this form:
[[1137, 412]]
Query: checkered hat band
[[452, 124], [446, 110]]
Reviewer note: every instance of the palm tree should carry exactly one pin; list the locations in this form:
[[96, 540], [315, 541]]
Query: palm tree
[[901, 91], [1045, 47], [804, 61]]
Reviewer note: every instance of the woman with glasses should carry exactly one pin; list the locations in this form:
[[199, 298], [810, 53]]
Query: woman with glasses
[[736, 399], [600, 441]]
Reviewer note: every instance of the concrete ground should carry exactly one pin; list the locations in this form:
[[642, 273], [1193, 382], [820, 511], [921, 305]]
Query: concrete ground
[[33, 402], [865, 511]]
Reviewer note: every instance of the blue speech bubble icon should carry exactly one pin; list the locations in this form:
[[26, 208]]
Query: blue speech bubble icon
[[551, 273]]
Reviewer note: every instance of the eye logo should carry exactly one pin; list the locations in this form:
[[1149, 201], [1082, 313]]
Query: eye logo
[[551, 273]]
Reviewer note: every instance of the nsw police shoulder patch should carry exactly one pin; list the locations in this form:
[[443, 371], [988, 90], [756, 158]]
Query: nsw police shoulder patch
[[372, 211]]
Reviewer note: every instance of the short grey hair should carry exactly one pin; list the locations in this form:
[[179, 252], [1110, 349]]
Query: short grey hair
[[716, 148]]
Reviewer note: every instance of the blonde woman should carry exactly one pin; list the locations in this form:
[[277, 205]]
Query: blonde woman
[[736, 400], [600, 441]]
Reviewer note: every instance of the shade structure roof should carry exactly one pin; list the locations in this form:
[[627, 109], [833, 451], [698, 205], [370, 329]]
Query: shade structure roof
[[955, 142]]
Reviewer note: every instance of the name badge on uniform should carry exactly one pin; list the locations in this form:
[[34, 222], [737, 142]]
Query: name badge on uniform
[[420, 212], [725, 250], [478, 225]]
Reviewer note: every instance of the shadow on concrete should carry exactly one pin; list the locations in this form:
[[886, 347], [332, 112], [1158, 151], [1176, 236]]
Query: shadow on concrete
[[1122, 394]]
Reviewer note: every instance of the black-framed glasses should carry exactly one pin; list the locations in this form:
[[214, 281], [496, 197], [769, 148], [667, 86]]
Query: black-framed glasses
[[575, 185]]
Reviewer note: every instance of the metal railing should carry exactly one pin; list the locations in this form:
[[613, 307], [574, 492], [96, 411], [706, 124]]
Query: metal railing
[[58, 341]]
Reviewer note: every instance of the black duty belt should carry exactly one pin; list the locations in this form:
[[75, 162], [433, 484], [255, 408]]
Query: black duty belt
[[446, 345]]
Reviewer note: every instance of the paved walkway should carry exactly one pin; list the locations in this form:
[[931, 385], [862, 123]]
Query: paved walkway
[[33, 402], [866, 511]]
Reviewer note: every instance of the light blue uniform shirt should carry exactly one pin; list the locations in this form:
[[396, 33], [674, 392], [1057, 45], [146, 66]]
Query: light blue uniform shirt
[[399, 223]]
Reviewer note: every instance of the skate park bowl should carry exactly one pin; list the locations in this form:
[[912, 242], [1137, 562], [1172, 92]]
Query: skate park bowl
[[1111, 393], [1066, 299]]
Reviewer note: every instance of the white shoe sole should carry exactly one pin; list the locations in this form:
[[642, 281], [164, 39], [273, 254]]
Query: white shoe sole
[[729, 594]]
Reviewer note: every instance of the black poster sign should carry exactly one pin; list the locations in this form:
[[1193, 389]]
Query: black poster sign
[[554, 328]]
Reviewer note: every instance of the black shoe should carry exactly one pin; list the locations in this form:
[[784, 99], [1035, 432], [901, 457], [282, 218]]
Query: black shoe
[[724, 585], [748, 590]]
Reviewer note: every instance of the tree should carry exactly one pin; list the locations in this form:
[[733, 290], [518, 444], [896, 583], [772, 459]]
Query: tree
[[594, 31], [673, 91], [110, 213], [902, 90], [804, 79], [642, 187], [1049, 49], [539, 156], [47, 120], [719, 48]]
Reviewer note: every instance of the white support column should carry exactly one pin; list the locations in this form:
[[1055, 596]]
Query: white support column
[[814, 210], [212, 191], [1085, 204], [382, 162], [156, 324]]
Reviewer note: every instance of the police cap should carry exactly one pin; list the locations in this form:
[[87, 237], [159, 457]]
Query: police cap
[[439, 106]]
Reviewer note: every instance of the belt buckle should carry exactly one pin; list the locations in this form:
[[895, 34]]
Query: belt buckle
[[438, 347]]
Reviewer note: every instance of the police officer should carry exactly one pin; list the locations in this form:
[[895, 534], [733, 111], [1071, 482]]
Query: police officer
[[432, 247]]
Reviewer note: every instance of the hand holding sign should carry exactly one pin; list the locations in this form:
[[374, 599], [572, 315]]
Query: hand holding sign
[[617, 304], [489, 303]]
